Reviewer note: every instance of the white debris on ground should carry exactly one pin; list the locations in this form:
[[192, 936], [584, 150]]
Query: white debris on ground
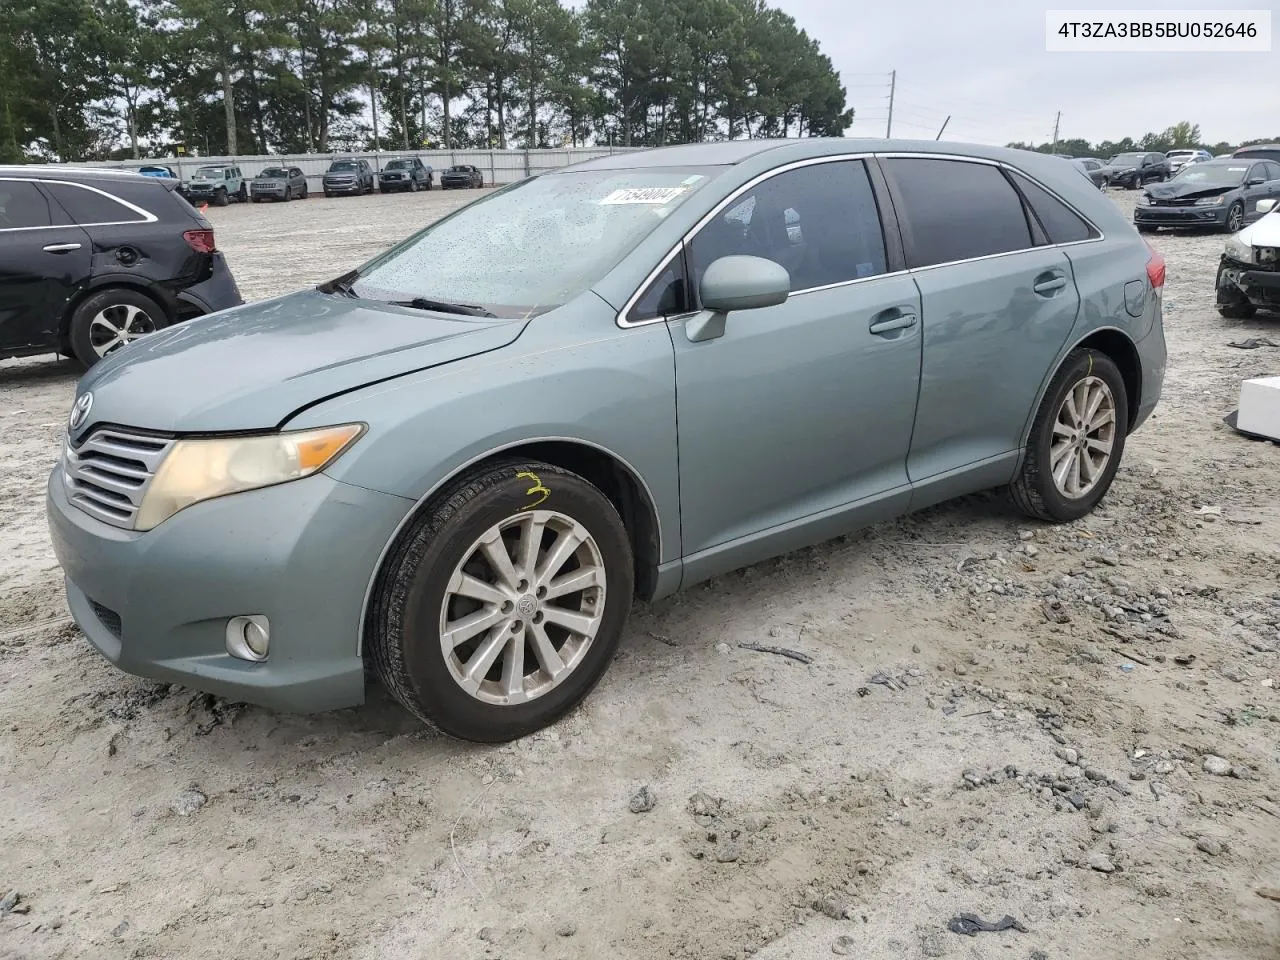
[[1075, 726]]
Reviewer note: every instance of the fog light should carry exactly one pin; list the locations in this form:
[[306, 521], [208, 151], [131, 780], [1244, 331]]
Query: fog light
[[248, 638]]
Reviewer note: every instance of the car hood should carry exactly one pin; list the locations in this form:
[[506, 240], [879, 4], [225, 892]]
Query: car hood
[[251, 367], [1184, 191], [1264, 233]]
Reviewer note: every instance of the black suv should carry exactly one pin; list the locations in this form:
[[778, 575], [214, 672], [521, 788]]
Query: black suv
[[93, 259], [462, 176], [1137, 169]]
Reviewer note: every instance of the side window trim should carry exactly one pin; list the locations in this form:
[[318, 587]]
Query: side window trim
[[680, 257], [147, 215]]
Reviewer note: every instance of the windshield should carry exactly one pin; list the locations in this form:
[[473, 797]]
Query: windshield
[[457, 169], [343, 165], [1213, 175], [274, 172], [1181, 153], [532, 246], [398, 165], [1127, 159], [210, 173]]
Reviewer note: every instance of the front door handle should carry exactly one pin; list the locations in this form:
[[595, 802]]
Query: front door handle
[[1050, 285], [899, 321], [60, 247]]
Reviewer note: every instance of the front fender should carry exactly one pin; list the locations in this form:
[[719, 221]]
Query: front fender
[[574, 377]]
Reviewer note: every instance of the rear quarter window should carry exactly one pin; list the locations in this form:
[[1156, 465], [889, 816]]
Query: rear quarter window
[[956, 210], [87, 206], [1061, 223]]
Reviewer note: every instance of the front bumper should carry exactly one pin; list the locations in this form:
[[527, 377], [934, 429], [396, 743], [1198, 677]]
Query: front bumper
[[269, 193], [1181, 216], [353, 187], [219, 292], [1237, 282], [156, 604]]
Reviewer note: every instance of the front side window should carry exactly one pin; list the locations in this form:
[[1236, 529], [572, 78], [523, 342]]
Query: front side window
[[87, 207], [956, 210], [820, 222], [23, 205], [541, 242]]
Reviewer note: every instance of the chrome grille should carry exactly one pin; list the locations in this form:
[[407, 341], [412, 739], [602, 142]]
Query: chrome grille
[[107, 474]]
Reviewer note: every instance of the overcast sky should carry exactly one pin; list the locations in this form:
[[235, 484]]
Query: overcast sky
[[985, 64]]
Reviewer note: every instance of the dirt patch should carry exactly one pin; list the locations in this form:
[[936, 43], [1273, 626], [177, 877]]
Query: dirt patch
[[1000, 717]]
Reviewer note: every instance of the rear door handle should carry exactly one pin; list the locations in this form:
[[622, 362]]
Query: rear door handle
[[60, 247], [898, 321], [1050, 285]]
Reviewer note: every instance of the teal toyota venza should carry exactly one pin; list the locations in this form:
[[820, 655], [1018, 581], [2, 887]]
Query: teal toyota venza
[[455, 467]]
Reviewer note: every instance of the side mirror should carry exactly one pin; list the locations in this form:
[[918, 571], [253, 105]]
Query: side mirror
[[1266, 206], [736, 283], [1257, 181]]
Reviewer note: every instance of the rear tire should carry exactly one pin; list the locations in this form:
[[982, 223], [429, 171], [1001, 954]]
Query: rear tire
[[442, 561], [1067, 438], [107, 320]]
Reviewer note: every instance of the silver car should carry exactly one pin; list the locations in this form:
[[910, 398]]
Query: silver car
[[675, 363]]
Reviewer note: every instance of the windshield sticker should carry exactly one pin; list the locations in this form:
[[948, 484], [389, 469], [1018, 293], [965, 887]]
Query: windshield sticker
[[642, 195], [1237, 169], [690, 181]]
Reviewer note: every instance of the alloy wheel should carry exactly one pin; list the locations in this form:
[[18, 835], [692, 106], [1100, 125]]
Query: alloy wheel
[[1235, 219], [522, 607], [1084, 433], [114, 326]]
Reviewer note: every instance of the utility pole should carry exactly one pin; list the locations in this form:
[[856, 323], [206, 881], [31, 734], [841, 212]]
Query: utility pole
[[1056, 121], [893, 82], [944, 126]]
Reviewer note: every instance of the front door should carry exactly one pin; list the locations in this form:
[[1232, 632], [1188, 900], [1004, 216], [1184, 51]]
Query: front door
[[44, 260], [801, 411]]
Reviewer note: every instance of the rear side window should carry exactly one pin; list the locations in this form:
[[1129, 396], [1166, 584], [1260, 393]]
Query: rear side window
[[956, 210], [87, 207], [1273, 170], [1060, 222], [23, 205]]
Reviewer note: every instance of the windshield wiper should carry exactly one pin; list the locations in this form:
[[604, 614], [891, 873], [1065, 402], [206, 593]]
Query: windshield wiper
[[341, 284], [441, 306]]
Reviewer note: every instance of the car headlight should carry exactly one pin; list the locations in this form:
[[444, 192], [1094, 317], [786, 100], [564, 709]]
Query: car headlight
[[1209, 201], [200, 469], [1144, 201], [1239, 250]]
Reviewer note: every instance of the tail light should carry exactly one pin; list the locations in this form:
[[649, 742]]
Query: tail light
[[201, 241], [1155, 268]]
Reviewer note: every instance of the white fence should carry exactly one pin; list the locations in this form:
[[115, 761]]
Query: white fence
[[498, 166]]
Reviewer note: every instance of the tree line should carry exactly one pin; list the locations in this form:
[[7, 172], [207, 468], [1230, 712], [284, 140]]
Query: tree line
[[1181, 136], [98, 79]]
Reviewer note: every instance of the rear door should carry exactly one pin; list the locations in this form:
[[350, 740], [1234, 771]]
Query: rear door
[[44, 262], [998, 304]]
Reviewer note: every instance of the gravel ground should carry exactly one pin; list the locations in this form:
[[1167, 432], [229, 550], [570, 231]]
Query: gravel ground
[[1073, 725]]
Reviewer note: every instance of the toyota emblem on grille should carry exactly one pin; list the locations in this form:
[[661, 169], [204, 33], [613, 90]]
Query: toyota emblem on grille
[[79, 413]]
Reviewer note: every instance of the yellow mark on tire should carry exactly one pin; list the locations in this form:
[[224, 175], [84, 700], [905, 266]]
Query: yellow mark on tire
[[537, 489], [1090, 373]]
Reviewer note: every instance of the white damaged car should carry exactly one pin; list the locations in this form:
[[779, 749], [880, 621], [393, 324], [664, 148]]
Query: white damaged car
[[1249, 272]]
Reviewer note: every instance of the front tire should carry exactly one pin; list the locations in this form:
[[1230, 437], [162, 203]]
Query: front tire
[[220, 198], [1235, 218], [1076, 441], [109, 319], [1240, 310], [503, 603]]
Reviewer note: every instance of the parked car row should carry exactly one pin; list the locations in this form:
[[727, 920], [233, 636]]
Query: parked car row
[[1137, 169], [1222, 194], [220, 184]]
